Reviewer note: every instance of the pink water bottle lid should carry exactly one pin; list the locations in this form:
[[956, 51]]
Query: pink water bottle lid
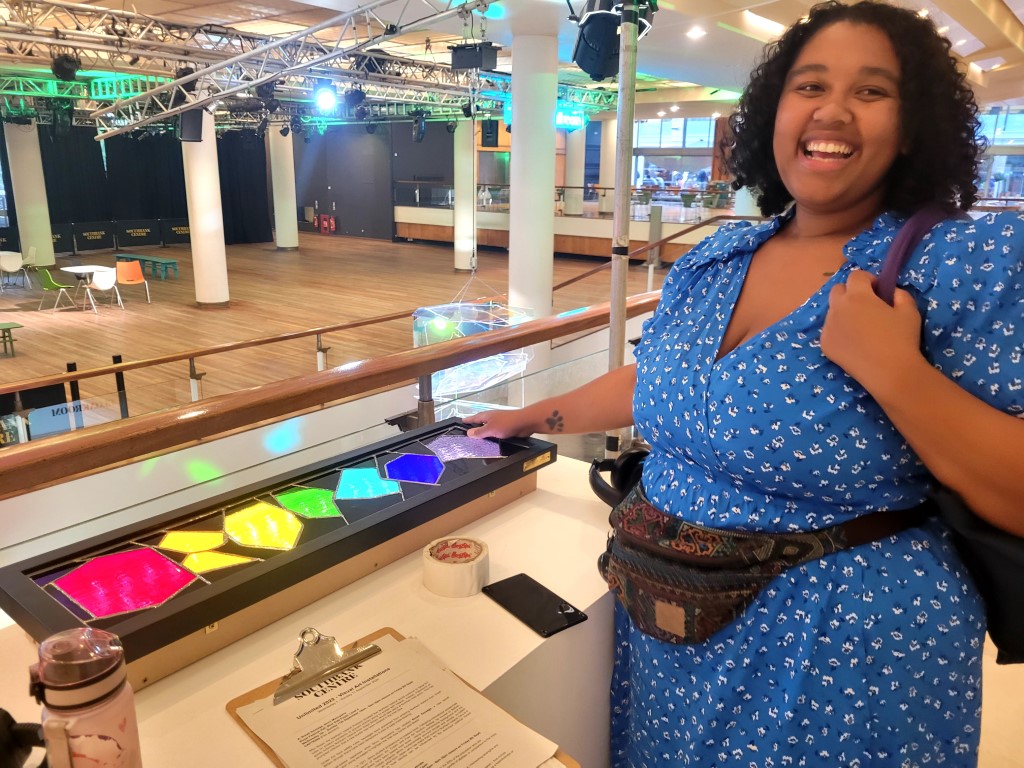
[[77, 668]]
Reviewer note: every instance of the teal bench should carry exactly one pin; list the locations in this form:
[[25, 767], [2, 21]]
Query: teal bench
[[153, 263]]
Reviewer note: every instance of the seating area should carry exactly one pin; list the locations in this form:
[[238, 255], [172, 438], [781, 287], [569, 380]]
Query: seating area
[[153, 263]]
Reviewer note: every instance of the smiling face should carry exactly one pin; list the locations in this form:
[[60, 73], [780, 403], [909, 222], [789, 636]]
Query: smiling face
[[837, 129]]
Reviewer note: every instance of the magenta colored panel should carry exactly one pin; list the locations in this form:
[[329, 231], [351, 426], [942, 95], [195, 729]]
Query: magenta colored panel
[[125, 581]]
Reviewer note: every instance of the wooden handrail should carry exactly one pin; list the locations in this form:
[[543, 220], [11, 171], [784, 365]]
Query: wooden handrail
[[40, 463]]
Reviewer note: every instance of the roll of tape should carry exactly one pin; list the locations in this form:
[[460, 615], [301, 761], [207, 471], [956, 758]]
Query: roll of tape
[[455, 566]]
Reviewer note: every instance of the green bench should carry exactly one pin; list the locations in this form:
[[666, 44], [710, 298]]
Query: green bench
[[6, 337], [153, 263]]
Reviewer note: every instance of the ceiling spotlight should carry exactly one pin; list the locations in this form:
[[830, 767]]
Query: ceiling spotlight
[[467, 109], [272, 105], [451, 126], [261, 129], [696, 32], [65, 67], [362, 112], [285, 130], [133, 60], [674, 108], [371, 127], [354, 97], [325, 96]]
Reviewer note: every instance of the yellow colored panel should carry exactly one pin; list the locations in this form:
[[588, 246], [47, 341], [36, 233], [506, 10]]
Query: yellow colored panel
[[201, 562], [191, 541], [263, 525]]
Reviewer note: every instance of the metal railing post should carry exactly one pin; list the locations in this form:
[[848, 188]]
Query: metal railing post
[[195, 379], [425, 406], [321, 354]]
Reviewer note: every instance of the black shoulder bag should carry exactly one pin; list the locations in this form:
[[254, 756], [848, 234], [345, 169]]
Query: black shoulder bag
[[994, 557]]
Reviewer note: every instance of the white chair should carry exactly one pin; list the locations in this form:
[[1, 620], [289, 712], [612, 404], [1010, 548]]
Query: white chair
[[10, 265], [28, 258], [104, 281]]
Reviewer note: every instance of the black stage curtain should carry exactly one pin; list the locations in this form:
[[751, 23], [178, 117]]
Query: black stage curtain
[[76, 184], [146, 177], [243, 188], [12, 214]]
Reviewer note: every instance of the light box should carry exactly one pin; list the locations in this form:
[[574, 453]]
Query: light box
[[179, 586]]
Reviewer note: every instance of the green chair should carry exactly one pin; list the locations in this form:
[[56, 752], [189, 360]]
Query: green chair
[[49, 285], [687, 198]]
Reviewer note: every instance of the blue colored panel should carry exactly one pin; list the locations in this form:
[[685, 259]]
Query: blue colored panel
[[414, 468], [364, 484]]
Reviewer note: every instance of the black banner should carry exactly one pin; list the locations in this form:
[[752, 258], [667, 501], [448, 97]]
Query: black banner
[[94, 235], [137, 232], [174, 231], [63, 238], [9, 239]]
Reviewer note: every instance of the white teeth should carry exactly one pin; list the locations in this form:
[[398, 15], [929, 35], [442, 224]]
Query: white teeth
[[829, 147]]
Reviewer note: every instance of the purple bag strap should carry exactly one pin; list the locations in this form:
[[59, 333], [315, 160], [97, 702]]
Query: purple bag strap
[[910, 234]]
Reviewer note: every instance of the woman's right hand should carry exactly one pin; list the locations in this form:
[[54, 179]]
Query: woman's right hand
[[501, 423]]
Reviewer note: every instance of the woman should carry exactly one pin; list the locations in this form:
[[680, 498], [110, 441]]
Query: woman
[[778, 393]]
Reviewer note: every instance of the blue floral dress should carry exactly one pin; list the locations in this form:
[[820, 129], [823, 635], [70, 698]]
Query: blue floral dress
[[868, 657]]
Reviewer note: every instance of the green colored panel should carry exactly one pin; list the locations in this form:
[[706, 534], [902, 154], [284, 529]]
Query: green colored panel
[[309, 502]]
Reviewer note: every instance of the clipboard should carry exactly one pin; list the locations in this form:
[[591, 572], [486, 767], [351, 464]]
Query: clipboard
[[268, 689]]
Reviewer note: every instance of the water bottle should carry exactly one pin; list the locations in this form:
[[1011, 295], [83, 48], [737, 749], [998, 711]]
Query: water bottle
[[88, 707]]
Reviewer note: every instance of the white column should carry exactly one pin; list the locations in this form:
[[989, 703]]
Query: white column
[[282, 179], [29, 191], [464, 208], [531, 238], [606, 174], [746, 203], [205, 217], [575, 162]]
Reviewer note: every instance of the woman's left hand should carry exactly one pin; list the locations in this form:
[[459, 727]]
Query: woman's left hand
[[866, 337]]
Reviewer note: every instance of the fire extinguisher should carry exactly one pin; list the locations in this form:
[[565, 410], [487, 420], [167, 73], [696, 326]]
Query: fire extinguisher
[[333, 224], [324, 225]]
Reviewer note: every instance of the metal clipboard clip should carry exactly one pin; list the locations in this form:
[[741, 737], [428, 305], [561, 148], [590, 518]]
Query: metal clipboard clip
[[318, 657]]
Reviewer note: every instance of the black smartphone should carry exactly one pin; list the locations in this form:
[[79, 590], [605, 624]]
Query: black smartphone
[[534, 604]]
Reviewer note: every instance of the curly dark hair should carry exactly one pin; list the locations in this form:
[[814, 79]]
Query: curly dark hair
[[938, 114]]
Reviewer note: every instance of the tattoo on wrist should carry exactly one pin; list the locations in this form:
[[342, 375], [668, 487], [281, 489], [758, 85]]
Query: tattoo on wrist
[[555, 422]]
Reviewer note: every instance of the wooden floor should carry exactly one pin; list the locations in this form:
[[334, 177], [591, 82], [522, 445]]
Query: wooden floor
[[328, 280]]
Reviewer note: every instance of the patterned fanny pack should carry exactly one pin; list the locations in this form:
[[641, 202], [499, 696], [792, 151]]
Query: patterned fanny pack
[[682, 582]]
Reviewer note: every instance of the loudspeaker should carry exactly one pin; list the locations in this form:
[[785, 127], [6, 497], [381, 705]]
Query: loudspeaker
[[488, 133], [474, 56], [190, 125], [419, 129]]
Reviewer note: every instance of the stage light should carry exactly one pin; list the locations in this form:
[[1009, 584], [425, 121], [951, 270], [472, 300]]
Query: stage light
[[285, 130], [371, 127], [325, 96], [362, 113], [261, 129], [65, 67], [451, 126], [354, 97], [419, 129], [597, 45], [467, 109], [178, 97]]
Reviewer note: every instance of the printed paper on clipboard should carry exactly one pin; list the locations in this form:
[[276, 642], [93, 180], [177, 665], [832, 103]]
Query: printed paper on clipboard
[[400, 707]]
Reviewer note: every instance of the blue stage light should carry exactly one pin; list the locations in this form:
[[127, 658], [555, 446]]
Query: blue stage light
[[326, 96]]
